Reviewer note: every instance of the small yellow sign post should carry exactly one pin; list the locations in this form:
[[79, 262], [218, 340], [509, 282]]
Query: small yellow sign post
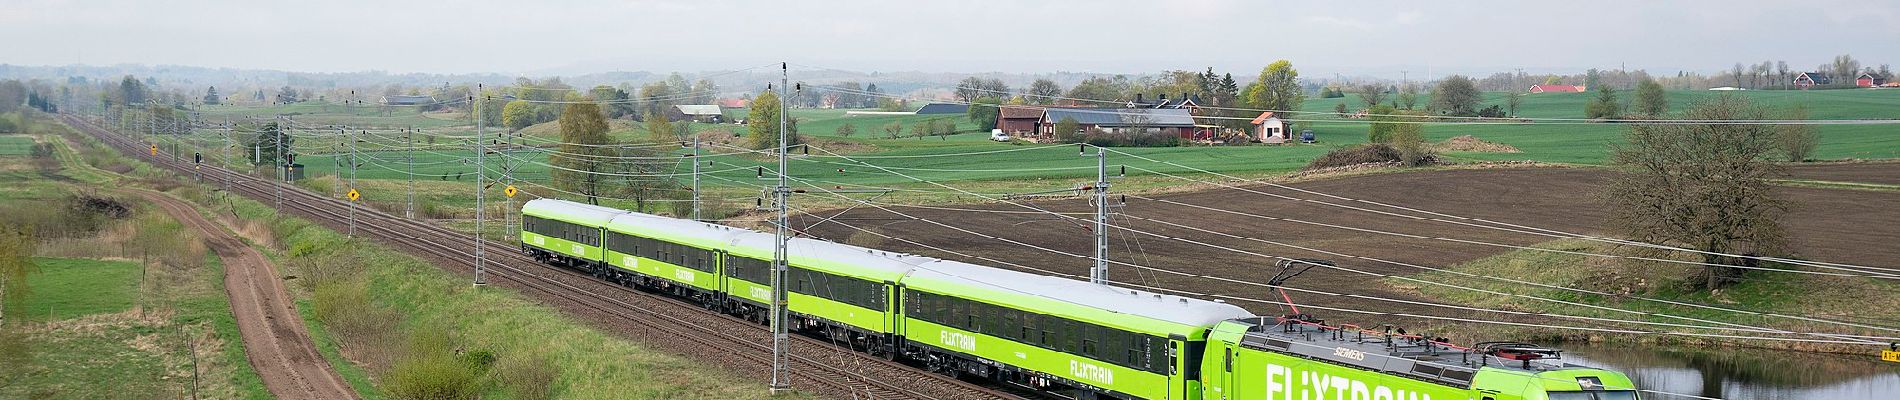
[[154, 149], [509, 191], [1890, 355], [353, 195]]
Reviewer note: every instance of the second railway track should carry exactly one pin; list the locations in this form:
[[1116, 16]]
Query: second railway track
[[816, 366]]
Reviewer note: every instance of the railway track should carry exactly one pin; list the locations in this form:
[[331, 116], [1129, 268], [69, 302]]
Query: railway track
[[817, 366]]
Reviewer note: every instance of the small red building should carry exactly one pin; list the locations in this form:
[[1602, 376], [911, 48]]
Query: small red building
[[1018, 119], [1867, 80]]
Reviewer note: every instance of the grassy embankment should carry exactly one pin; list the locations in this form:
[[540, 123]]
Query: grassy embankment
[[417, 329], [1858, 300], [118, 306]]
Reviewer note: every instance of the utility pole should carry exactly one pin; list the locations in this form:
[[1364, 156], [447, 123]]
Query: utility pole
[[227, 151], [409, 142], [780, 382], [353, 139], [481, 258], [695, 159], [1099, 274], [283, 163]]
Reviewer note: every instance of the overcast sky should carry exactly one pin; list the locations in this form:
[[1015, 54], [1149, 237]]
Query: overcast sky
[[1365, 37]]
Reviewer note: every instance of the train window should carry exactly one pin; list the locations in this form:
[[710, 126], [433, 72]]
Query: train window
[[1088, 347], [1229, 358]]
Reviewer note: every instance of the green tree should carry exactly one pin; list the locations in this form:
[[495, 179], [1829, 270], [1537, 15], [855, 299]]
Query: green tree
[[1797, 141], [920, 129], [1382, 117], [847, 130], [1408, 97], [659, 130], [1068, 130], [1277, 88], [1409, 139], [490, 110], [1650, 98], [1512, 100], [984, 112], [1101, 88], [131, 91], [581, 166], [262, 145], [1044, 91], [211, 95], [1709, 187], [762, 123], [1340, 109], [1604, 106], [894, 129], [1371, 94], [518, 114], [943, 127], [1456, 95], [613, 100]]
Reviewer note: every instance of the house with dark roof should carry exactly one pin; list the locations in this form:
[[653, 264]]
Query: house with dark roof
[[1017, 119], [402, 100], [943, 108], [1868, 80], [1172, 121], [1806, 80], [1557, 88]]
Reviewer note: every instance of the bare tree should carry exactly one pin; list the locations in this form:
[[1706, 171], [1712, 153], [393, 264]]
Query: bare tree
[[1371, 94], [1706, 187]]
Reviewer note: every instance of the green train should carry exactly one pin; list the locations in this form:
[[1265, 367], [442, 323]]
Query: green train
[[1061, 336]]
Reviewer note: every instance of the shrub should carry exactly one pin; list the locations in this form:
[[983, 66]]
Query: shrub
[[527, 375], [1370, 153]]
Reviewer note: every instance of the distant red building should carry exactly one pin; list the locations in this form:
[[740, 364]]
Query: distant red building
[[1018, 119], [1869, 80]]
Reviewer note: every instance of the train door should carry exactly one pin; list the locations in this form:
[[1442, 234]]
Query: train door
[[1227, 370]]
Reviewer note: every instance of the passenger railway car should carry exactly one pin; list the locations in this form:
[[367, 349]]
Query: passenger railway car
[[1054, 334]]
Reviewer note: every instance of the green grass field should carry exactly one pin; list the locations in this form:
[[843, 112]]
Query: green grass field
[[972, 161], [15, 145], [70, 288]]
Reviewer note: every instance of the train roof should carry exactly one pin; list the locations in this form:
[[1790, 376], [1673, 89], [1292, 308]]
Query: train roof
[[579, 213], [833, 257], [683, 231], [1102, 304]]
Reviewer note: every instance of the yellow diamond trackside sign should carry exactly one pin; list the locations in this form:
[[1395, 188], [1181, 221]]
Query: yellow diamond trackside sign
[[354, 195], [510, 191], [1890, 355]]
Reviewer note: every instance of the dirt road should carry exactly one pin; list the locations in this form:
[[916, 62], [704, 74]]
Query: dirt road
[[274, 335]]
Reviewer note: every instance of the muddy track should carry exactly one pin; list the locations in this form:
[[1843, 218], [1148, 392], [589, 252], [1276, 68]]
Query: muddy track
[[275, 339]]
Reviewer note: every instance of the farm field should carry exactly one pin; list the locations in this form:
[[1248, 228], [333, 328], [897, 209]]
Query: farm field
[[1826, 224]]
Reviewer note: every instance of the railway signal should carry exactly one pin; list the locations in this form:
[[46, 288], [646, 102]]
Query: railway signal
[[509, 191], [154, 149], [353, 195]]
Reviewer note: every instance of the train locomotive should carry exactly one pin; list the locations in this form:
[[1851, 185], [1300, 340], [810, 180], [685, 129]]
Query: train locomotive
[[1052, 334]]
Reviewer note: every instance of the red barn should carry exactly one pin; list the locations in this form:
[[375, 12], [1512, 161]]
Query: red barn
[[1017, 120], [1869, 80]]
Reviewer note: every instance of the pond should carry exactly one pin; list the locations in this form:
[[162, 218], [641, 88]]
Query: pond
[[1745, 374]]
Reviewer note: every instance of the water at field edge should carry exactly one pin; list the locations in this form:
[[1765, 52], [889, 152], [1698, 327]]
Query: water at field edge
[[1743, 374]]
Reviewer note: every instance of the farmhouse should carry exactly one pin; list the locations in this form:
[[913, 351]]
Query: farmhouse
[[943, 108], [1869, 80], [1172, 121], [1018, 119], [1557, 88], [1806, 80], [708, 113], [401, 100], [1269, 129]]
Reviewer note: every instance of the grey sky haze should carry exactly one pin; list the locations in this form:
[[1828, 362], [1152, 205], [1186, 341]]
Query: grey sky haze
[[1374, 37]]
